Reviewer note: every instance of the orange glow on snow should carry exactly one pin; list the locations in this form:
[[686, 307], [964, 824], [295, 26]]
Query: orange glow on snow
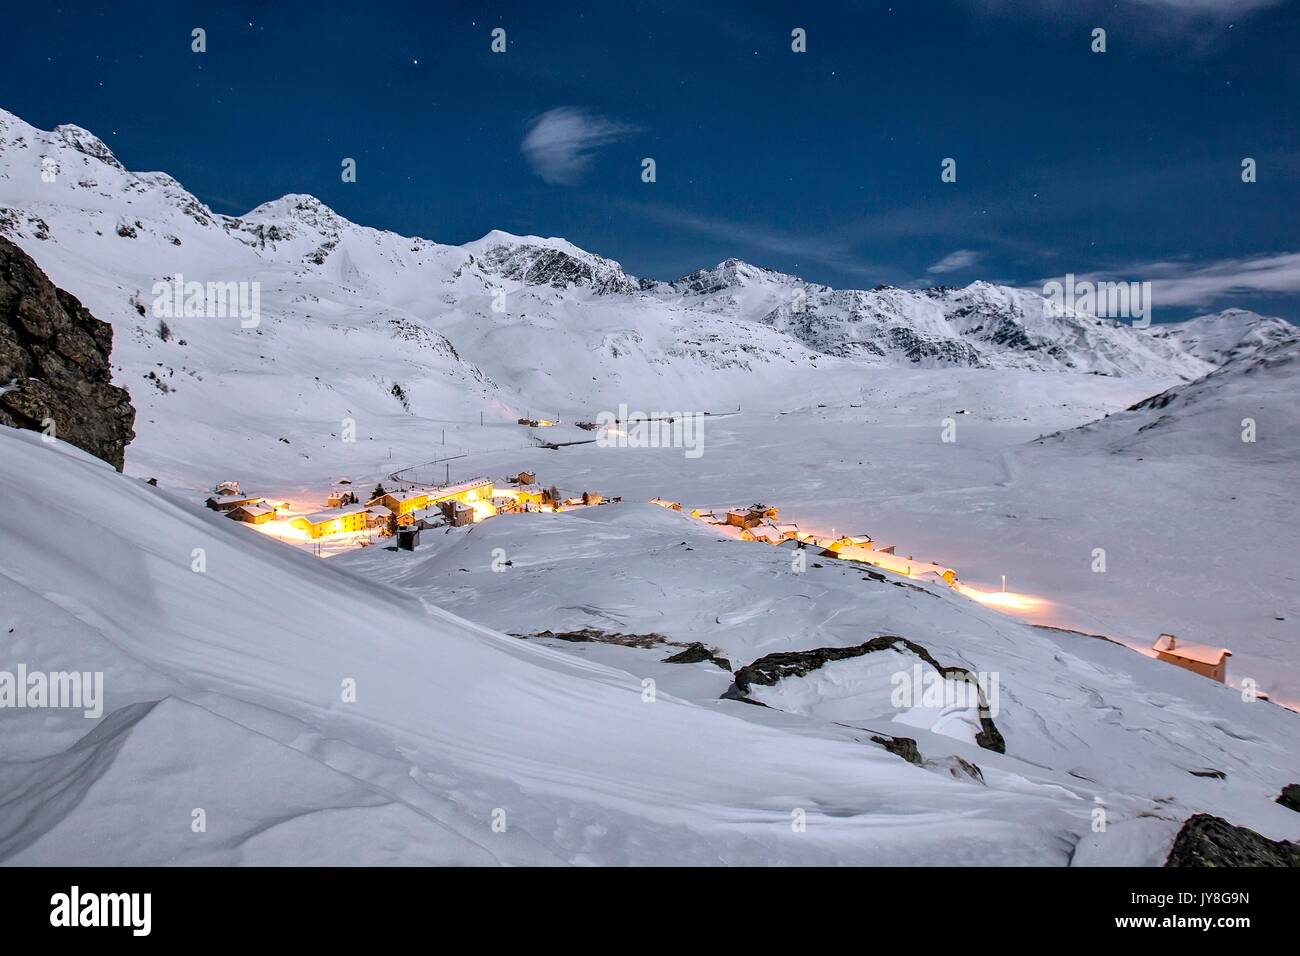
[[1009, 601]]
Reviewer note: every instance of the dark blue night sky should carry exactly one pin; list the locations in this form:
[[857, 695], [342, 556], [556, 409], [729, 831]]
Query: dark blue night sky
[[825, 164]]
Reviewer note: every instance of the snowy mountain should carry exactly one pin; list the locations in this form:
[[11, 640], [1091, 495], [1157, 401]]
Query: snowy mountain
[[1222, 336], [1244, 410], [488, 313], [980, 326]]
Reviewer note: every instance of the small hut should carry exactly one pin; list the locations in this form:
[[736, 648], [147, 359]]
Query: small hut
[[252, 514], [1203, 659]]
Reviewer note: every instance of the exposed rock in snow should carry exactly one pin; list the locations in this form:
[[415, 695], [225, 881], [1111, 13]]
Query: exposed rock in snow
[[904, 747], [550, 262], [697, 653], [772, 669], [54, 363], [1207, 840], [1290, 797], [84, 141]]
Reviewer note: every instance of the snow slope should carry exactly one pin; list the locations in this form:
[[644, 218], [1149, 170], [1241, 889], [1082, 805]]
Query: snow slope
[[241, 714], [1244, 410], [451, 720], [1072, 709]]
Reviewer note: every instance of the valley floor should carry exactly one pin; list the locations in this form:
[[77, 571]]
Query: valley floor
[[1195, 546]]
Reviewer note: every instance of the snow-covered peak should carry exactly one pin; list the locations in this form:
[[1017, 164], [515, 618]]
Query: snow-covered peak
[[730, 274], [1220, 337], [84, 141], [294, 206], [553, 262]]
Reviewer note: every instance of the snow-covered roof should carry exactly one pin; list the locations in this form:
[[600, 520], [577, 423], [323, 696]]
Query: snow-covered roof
[[1201, 653], [457, 488], [410, 495], [320, 517], [234, 499], [254, 510], [380, 510]]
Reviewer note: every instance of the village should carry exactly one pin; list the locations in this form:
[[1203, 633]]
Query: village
[[408, 508], [400, 512]]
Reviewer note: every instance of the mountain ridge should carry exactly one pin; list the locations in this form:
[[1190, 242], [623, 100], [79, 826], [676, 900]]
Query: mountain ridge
[[980, 325]]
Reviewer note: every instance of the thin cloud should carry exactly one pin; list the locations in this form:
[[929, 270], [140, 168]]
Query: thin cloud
[[953, 261], [1218, 8], [1199, 285], [561, 143], [825, 251]]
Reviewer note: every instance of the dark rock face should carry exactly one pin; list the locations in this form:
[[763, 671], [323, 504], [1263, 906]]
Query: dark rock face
[[1290, 797], [595, 635], [54, 363], [904, 747], [693, 653], [1206, 840], [773, 667], [697, 653], [541, 265]]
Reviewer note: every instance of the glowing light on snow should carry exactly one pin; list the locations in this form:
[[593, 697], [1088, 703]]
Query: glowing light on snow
[[283, 529], [1004, 600]]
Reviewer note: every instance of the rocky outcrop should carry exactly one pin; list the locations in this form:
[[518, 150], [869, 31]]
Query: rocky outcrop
[[697, 653], [54, 363], [692, 653], [1207, 840], [904, 747], [772, 668], [1290, 797], [595, 635], [542, 265]]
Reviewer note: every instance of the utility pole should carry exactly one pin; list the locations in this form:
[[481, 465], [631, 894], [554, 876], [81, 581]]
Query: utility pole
[[448, 481]]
